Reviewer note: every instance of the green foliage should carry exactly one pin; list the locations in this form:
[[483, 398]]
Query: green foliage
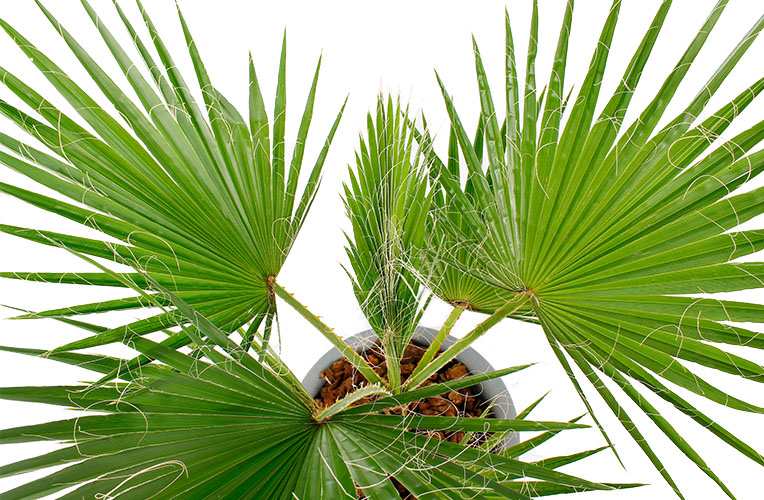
[[610, 230], [205, 208], [387, 203], [216, 424], [196, 196], [601, 234]]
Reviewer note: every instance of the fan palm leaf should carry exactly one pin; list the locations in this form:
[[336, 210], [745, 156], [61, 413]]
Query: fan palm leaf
[[387, 203], [195, 195], [613, 231], [212, 424]]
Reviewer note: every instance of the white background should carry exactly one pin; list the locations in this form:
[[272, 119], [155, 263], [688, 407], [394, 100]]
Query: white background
[[368, 47]]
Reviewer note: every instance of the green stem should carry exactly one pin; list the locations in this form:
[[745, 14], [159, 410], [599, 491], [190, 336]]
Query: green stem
[[463, 343], [350, 399], [266, 335], [393, 358], [434, 348], [357, 361]]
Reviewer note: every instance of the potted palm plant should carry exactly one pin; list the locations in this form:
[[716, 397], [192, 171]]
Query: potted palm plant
[[205, 207], [548, 215]]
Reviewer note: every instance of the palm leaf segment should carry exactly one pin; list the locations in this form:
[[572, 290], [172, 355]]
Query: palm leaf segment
[[611, 230], [212, 425], [200, 199], [387, 203]]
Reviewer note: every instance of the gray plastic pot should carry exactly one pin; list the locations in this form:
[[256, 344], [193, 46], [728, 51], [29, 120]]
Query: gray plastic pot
[[491, 390]]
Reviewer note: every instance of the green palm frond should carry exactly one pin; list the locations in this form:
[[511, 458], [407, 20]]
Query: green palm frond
[[387, 202], [445, 256], [612, 230], [212, 425], [201, 199]]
